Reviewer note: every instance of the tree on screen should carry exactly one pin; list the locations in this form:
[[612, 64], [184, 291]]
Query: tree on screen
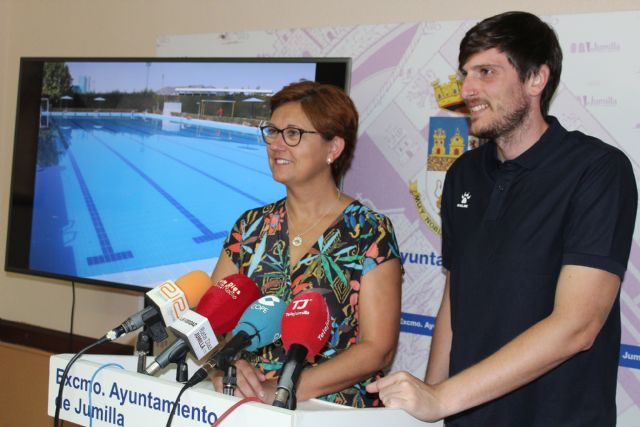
[[57, 80]]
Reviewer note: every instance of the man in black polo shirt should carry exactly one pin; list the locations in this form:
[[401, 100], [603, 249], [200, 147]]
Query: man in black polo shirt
[[537, 229]]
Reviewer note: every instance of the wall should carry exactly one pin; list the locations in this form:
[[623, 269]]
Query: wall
[[23, 399], [131, 28]]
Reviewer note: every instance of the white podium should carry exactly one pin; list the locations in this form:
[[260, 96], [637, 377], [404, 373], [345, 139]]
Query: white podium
[[120, 396]]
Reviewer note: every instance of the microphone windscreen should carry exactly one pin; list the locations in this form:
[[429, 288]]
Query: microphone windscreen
[[262, 321], [194, 284], [226, 300], [307, 322]]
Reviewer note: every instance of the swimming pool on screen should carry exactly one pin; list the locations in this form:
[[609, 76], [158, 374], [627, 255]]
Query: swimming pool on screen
[[140, 198]]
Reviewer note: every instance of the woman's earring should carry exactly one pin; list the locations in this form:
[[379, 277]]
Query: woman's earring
[[329, 161]]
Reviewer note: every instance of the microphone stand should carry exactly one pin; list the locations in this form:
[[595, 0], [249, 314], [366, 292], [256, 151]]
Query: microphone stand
[[143, 348], [182, 370], [293, 400], [285, 399], [229, 381], [289, 376]]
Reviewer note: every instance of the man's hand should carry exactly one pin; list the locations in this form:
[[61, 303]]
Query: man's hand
[[402, 390]]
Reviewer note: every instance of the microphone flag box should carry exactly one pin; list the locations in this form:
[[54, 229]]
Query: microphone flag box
[[170, 300], [195, 329]]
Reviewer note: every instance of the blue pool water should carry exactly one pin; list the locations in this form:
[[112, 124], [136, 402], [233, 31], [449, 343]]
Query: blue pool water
[[116, 195]]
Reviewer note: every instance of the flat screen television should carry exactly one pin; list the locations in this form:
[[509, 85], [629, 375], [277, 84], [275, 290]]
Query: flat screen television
[[127, 172]]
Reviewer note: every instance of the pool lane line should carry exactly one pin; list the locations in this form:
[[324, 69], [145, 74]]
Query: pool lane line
[[206, 236], [188, 166], [108, 254], [218, 180], [160, 135]]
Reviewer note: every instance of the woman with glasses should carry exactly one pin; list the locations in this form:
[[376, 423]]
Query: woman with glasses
[[318, 238]]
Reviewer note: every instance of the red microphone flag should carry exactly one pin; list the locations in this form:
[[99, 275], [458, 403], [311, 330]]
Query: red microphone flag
[[224, 303], [306, 321]]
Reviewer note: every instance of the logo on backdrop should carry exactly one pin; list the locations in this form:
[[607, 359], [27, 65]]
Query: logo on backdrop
[[597, 101], [448, 139], [595, 47]]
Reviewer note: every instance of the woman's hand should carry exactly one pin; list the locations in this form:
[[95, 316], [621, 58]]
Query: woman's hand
[[249, 380], [269, 386], [216, 379]]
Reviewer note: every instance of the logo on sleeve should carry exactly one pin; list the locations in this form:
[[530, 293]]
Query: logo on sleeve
[[464, 200]]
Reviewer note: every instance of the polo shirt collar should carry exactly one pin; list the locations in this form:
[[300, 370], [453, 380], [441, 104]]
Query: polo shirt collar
[[537, 153]]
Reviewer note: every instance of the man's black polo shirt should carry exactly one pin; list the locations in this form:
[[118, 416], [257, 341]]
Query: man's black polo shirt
[[508, 228]]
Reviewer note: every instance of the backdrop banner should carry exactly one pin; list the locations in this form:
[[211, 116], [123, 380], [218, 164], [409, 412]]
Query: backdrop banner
[[408, 139]]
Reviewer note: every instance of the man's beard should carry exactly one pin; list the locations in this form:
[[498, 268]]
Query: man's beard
[[503, 125]]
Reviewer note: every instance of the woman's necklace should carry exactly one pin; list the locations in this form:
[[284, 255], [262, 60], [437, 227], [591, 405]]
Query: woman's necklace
[[297, 239]]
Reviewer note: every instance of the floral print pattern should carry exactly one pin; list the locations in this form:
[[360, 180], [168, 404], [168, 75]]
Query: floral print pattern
[[358, 241]]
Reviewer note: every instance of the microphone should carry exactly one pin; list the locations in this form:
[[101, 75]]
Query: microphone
[[167, 302], [259, 326], [306, 327], [217, 312]]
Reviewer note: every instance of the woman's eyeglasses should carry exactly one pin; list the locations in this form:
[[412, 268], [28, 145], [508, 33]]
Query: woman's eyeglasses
[[291, 135]]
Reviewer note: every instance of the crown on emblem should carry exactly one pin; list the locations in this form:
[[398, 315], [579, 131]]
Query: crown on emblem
[[449, 96]]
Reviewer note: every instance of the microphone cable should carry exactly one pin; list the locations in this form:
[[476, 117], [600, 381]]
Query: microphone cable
[[233, 407], [202, 373], [71, 321], [58, 402], [221, 360], [73, 311], [93, 377], [224, 415], [175, 404]]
